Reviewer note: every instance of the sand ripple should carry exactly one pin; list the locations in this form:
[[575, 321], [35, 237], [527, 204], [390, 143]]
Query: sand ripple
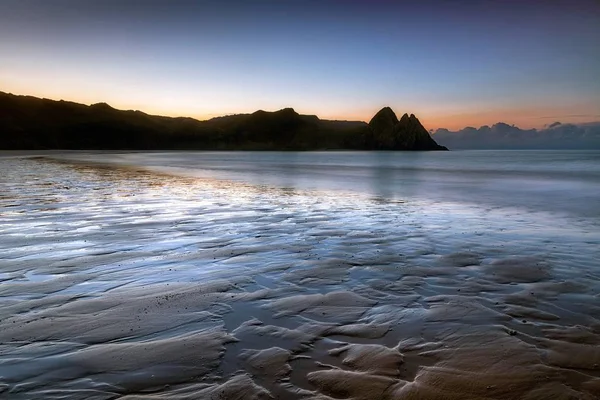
[[125, 283]]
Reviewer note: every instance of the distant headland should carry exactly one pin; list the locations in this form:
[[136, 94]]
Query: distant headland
[[33, 123]]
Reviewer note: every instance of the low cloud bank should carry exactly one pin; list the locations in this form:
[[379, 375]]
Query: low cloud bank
[[504, 136]]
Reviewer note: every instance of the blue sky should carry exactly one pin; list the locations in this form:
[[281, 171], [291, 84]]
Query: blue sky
[[452, 63]]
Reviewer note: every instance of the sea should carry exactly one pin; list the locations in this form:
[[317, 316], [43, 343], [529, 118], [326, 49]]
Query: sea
[[300, 275]]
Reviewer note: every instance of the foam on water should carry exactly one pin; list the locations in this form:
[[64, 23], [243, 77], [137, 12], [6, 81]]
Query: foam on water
[[123, 280]]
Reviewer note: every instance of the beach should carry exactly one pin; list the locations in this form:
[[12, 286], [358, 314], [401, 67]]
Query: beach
[[348, 275]]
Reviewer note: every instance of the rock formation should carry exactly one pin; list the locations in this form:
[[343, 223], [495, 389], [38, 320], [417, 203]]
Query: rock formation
[[389, 133], [32, 123]]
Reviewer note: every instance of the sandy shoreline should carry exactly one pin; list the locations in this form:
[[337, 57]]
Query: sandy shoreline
[[127, 284]]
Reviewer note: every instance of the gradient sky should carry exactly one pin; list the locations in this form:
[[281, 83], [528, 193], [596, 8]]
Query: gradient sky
[[452, 63]]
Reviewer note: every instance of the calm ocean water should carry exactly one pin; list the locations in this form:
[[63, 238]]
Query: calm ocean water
[[455, 275], [557, 181]]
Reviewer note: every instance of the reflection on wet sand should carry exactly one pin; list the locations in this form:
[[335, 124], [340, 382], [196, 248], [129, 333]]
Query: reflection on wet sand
[[123, 283]]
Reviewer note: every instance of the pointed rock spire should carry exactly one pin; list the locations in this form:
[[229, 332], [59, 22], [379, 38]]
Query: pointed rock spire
[[389, 133]]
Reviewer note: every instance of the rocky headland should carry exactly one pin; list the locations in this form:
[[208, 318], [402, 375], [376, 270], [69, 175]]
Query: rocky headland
[[33, 123]]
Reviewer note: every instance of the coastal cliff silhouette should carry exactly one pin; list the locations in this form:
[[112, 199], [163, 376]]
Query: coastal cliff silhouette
[[28, 122]]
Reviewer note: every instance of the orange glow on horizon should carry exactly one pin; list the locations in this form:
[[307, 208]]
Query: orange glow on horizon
[[454, 119], [523, 117]]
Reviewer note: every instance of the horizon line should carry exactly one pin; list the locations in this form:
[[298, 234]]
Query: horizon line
[[211, 116]]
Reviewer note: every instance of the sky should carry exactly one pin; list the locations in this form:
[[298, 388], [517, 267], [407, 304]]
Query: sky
[[451, 63]]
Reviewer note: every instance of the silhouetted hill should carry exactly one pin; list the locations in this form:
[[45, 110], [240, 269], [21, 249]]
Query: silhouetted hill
[[389, 133], [504, 136], [31, 123]]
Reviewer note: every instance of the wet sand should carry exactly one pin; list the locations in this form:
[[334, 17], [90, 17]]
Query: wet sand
[[118, 282]]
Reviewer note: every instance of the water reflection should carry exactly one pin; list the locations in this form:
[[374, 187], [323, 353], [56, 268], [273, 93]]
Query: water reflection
[[542, 180], [171, 285]]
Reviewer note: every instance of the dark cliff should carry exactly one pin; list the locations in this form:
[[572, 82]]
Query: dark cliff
[[389, 133], [31, 123]]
